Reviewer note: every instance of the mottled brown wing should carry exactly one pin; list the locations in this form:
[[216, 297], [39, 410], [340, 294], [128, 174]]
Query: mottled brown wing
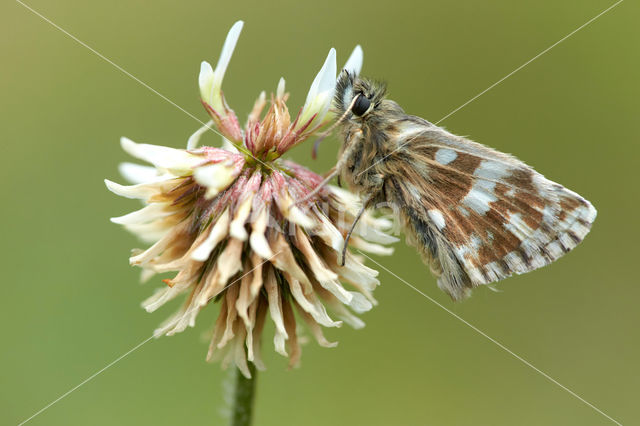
[[479, 215]]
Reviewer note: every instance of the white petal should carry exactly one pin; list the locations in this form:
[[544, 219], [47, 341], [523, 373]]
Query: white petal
[[280, 89], [329, 233], [321, 92], [146, 214], [227, 50], [217, 234], [361, 244], [290, 211], [236, 228], [205, 81], [227, 145], [161, 156], [210, 81], [354, 63], [137, 173], [359, 303], [311, 304], [215, 177], [194, 139], [257, 240], [141, 191]]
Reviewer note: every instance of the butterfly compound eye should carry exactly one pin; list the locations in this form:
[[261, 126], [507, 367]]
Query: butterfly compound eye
[[361, 105]]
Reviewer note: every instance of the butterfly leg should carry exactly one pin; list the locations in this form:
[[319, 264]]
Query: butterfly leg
[[353, 226], [332, 173], [335, 171]]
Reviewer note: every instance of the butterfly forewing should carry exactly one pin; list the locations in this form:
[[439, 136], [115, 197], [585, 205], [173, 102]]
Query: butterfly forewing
[[480, 215]]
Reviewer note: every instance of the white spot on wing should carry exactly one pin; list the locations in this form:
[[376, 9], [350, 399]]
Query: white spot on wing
[[437, 218], [478, 199], [445, 156], [491, 170]]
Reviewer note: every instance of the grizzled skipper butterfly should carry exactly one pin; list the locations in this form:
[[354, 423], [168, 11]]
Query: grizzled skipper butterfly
[[475, 214]]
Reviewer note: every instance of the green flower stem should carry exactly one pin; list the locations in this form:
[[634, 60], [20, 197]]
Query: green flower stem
[[242, 409]]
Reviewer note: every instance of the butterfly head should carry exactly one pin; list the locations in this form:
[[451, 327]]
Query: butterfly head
[[360, 97]]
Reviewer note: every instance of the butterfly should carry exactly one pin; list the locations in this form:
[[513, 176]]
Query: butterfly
[[476, 215]]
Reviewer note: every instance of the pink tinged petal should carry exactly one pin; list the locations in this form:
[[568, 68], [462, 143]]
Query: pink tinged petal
[[275, 309], [354, 63], [194, 139], [315, 329], [177, 161], [257, 240], [327, 278], [219, 231]]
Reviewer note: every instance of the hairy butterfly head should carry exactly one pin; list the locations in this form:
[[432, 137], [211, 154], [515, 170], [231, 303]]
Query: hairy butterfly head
[[364, 97]]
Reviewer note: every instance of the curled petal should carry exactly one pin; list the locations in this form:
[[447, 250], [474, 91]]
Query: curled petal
[[194, 139], [176, 161]]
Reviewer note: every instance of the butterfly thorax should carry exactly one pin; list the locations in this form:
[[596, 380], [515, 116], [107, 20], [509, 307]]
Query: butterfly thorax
[[371, 146]]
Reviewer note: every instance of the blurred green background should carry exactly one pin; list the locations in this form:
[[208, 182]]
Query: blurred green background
[[70, 302]]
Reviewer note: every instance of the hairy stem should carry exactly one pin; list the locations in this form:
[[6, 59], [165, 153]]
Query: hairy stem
[[242, 408]]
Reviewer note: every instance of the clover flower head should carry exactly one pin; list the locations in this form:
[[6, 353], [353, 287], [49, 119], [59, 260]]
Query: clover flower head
[[226, 222]]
